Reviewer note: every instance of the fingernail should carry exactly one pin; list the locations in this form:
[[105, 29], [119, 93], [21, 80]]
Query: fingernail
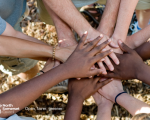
[[103, 59], [98, 75], [120, 42], [85, 32], [118, 63], [101, 35], [90, 76], [111, 50], [104, 50], [60, 41], [104, 73], [111, 69], [111, 79], [109, 40], [79, 78]]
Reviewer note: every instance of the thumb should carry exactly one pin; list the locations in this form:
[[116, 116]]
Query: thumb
[[124, 47]]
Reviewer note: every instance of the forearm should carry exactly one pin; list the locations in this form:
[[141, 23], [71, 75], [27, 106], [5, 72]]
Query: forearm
[[109, 17], [22, 95], [74, 108], [73, 18], [144, 50], [26, 49], [132, 104], [138, 38], [143, 74], [125, 14], [104, 113], [10, 31]]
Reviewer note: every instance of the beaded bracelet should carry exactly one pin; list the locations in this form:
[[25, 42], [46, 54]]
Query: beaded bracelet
[[53, 55]]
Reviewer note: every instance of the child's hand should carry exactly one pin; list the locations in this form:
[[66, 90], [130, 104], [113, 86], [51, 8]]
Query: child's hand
[[85, 88], [111, 90], [131, 64], [102, 101], [50, 64], [84, 57]]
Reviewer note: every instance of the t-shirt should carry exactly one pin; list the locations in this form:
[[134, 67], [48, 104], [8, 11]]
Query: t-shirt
[[10, 11]]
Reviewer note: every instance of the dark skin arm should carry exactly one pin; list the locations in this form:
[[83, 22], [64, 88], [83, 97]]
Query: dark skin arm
[[81, 59], [144, 50], [131, 65], [78, 92]]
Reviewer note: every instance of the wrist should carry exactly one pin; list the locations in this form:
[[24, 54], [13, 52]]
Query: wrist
[[75, 97], [115, 94], [107, 104]]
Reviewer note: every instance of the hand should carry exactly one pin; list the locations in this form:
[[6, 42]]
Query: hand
[[84, 57], [50, 64], [129, 64], [112, 55], [86, 87], [111, 90], [102, 101]]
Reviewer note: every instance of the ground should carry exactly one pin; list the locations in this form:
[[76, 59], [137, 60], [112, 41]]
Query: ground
[[47, 33]]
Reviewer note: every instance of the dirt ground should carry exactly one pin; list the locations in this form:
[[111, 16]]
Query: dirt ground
[[32, 26]]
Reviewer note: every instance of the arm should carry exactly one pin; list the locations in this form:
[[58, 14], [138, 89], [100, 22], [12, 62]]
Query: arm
[[64, 32], [126, 11], [138, 38], [26, 49], [86, 87], [104, 107], [135, 107], [33, 88], [10, 31], [131, 65], [109, 17]]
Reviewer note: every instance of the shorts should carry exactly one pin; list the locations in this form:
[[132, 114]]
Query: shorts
[[45, 17], [143, 5], [14, 66]]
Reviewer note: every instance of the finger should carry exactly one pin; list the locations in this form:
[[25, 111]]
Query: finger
[[114, 58], [113, 45], [109, 64], [82, 40], [95, 72], [124, 47], [78, 78], [101, 66], [93, 43], [56, 63], [101, 84], [100, 47], [110, 75]]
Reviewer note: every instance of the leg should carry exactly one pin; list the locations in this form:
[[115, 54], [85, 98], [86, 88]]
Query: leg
[[29, 74], [143, 17]]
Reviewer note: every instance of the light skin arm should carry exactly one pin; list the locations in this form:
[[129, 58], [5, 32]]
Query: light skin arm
[[138, 38], [135, 107], [109, 17], [10, 31], [125, 14], [104, 107], [26, 49]]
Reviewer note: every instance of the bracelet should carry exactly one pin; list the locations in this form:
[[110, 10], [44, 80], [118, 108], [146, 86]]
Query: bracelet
[[117, 96], [42, 71], [53, 55]]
